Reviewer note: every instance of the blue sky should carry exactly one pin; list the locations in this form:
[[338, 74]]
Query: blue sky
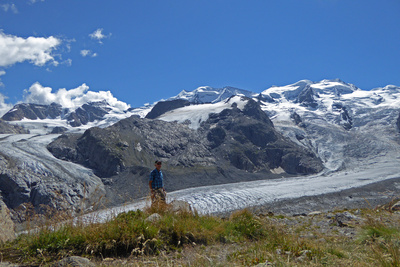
[[144, 51]]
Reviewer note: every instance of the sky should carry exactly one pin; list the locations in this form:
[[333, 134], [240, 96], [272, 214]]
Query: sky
[[134, 52]]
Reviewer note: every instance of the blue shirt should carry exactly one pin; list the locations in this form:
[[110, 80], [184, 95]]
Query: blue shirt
[[157, 179]]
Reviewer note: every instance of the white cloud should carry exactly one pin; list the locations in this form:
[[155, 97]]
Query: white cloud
[[4, 107], [2, 72], [98, 35], [86, 53], [67, 62], [72, 98], [36, 50], [11, 7]]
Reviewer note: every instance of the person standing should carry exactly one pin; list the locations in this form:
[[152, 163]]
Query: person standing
[[156, 184]]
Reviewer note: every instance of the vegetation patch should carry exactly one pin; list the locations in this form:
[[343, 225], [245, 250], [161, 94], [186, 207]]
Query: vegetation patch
[[190, 239]]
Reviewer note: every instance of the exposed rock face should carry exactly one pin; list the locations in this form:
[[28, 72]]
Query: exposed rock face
[[7, 229], [307, 98], [398, 123], [132, 142], [245, 139], [88, 113], [59, 130], [250, 142], [33, 112], [296, 118], [165, 106], [344, 118], [6, 128], [81, 116], [74, 261], [30, 174]]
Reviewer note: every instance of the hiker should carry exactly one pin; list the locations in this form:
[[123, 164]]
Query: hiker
[[156, 184]]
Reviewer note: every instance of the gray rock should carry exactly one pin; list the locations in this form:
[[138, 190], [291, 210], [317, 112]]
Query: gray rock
[[178, 206], [264, 264], [155, 217], [30, 174], [7, 264], [74, 261], [346, 219], [165, 106], [33, 112], [6, 128], [81, 116], [7, 227], [245, 139], [307, 97], [88, 113], [59, 130]]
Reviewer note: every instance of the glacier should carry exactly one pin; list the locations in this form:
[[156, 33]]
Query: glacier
[[225, 198], [353, 131]]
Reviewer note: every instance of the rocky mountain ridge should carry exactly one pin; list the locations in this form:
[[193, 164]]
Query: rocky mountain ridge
[[303, 128], [89, 112], [233, 145]]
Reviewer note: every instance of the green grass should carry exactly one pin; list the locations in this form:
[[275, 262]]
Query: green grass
[[384, 241], [252, 240]]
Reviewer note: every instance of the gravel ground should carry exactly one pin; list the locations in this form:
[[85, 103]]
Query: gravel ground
[[369, 196]]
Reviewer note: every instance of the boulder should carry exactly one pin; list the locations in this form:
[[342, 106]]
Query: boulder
[[7, 228], [74, 261], [178, 206], [155, 217]]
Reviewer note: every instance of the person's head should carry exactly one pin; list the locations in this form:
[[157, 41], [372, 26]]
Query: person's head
[[158, 164]]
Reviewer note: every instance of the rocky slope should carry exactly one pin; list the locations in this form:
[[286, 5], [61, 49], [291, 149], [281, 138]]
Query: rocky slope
[[89, 112], [344, 125], [31, 176], [237, 144], [7, 228], [6, 128], [204, 137]]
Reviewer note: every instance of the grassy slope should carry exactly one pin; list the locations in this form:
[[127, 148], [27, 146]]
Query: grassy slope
[[370, 238]]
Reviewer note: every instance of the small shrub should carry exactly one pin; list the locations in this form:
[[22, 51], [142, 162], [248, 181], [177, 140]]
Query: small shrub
[[243, 224]]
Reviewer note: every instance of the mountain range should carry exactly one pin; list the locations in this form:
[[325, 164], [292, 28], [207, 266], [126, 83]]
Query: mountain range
[[51, 155]]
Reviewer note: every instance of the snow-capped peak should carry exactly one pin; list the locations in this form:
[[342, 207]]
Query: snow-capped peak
[[207, 94], [334, 87], [194, 115]]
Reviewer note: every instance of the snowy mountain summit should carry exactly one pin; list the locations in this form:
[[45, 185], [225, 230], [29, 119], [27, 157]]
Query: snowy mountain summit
[[207, 94], [46, 118], [342, 123], [222, 135]]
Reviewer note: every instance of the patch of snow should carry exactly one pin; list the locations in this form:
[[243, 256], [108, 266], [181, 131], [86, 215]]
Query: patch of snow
[[196, 114]]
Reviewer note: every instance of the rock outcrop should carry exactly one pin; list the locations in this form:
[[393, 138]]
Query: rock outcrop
[[33, 112], [7, 128], [7, 228], [307, 98], [74, 261], [165, 106], [88, 112], [398, 123], [231, 146], [30, 174]]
